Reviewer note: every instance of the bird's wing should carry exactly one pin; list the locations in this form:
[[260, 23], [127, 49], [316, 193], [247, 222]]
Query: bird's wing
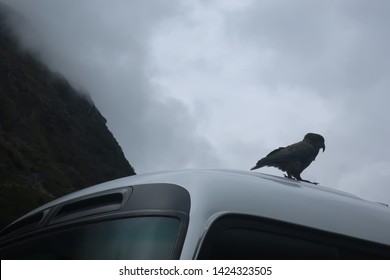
[[301, 151], [298, 151]]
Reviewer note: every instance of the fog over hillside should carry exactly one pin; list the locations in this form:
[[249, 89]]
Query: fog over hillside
[[53, 140], [222, 83]]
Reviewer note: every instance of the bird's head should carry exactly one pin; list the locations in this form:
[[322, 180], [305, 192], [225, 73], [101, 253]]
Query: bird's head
[[315, 139]]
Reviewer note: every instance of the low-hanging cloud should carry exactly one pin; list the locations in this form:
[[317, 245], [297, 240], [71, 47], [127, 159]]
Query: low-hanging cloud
[[222, 83], [102, 48]]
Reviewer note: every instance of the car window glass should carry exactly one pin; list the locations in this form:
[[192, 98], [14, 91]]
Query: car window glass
[[237, 236], [130, 238]]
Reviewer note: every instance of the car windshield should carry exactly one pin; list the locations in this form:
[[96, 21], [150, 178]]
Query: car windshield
[[129, 238]]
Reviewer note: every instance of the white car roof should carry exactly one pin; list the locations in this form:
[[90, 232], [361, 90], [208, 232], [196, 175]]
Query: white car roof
[[215, 192]]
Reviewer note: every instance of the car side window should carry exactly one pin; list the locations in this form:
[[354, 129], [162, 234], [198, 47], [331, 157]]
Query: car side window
[[144, 237], [248, 237]]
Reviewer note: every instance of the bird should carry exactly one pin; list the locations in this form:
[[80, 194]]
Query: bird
[[296, 157]]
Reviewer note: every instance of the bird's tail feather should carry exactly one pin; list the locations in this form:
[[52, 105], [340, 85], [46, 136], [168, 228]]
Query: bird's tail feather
[[263, 162], [259, 164]]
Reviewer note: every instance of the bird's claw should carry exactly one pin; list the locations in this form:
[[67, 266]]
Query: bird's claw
[[302, 180], [307, 181]]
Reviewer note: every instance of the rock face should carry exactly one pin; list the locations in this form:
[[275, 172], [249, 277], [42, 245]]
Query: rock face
[[53, 140]]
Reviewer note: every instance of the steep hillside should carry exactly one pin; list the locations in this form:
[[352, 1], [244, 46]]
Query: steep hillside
[[53, 140]]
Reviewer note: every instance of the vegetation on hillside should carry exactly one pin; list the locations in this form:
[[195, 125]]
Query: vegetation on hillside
[[53, 140]]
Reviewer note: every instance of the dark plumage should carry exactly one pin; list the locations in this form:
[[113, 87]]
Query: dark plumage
[[295, 158]]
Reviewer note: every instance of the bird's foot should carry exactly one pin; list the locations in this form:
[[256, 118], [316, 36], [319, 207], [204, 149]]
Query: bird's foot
[[299, 179], [307, 181]]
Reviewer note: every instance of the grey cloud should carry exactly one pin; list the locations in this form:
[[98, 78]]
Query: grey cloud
[[320, 44], [102, 47], [243, 79]]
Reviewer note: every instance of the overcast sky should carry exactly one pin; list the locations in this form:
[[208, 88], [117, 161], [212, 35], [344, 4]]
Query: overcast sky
[[219, 84]]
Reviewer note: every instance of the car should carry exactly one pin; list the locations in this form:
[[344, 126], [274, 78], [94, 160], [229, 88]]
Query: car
[[202, 214]]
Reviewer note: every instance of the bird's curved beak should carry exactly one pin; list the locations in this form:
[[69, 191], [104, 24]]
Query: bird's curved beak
[[323, 148]]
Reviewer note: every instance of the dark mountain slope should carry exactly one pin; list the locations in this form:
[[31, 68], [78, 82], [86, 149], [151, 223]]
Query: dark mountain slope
[[53, 140]]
